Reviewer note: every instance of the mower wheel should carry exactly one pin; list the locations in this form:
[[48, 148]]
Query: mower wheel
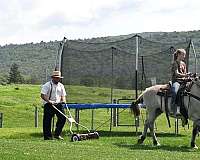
[[75, 137], [96, 135]]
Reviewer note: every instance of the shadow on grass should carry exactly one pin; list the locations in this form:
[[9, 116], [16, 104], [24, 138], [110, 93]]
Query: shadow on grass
[[101, 134], [22, 136], [37, 135], [133, 134], [151, 147]]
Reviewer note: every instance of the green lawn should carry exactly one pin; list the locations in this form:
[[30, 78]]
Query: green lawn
[[19, 139]]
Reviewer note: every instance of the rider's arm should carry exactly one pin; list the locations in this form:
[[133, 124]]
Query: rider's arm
[[179, 74]]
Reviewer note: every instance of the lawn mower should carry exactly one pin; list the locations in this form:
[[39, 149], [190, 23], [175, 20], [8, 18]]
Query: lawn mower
[[77, 136]]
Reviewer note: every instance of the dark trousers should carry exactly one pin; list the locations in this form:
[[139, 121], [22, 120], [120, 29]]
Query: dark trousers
[[49, 112]]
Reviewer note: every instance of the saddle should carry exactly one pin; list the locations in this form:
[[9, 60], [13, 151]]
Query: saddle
[[166, 89], [166, 92]]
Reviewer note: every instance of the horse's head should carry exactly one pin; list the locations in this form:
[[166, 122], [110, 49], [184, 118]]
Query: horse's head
[[196, 81], [194, 85]]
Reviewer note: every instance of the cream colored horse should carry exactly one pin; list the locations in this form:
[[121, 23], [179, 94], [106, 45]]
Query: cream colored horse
[[153, 107]]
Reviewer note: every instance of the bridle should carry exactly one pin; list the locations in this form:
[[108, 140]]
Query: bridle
[[198, 85]]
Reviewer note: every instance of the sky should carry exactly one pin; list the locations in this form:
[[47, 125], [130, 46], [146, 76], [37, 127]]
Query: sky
[[26, 21]]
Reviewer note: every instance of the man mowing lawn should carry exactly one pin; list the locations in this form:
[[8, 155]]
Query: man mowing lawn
[[53, 93]]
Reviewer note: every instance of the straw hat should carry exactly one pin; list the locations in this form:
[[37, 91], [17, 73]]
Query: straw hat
[[56, 74]]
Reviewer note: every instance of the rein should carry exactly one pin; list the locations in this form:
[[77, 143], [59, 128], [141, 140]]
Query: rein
[[193, 96]]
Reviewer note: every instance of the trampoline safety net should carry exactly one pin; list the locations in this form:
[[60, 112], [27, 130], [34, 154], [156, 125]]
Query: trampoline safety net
[[113, 64]]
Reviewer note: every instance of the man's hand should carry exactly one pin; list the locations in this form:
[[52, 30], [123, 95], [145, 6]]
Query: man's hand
[[45, 98], [52, 102]]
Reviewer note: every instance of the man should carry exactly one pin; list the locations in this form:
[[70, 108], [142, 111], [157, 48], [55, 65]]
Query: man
[[179, 77], [53, 93]]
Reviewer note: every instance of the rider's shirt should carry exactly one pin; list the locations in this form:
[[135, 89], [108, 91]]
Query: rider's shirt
[[178, 67]]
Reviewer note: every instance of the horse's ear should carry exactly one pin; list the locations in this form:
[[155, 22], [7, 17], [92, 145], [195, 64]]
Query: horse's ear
[[197, 78]]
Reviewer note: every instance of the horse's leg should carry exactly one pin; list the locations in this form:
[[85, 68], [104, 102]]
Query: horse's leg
[[194, 134], [144, 133], [152, 119], [149, 123]]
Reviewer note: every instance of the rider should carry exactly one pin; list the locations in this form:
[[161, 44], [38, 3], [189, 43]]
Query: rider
[[179, 77]]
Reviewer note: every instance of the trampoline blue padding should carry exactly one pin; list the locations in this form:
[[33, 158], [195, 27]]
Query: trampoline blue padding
[[97, 105]]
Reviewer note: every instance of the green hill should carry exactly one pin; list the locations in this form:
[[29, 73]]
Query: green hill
[[37, 60]]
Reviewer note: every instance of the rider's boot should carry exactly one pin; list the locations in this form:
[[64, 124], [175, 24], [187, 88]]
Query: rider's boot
[[174, 107], [177, 113]]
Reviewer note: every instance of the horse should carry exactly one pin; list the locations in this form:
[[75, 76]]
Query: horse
[[155, 107]]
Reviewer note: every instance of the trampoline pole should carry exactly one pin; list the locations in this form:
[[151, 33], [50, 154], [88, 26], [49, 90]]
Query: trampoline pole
[[195, 56], [111, 117], [111, 91], [60, 53], [92, 120], [136, 67]]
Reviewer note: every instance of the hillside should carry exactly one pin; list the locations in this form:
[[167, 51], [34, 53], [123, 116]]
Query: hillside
[[33, 59], [37, 60]]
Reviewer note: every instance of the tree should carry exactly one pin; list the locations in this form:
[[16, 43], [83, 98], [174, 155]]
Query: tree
[[3, 79], [15, 75]]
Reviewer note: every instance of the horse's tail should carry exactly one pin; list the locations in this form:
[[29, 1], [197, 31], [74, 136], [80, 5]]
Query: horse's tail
[[135, 109]]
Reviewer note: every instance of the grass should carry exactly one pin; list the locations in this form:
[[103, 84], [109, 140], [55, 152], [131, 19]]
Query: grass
[[19, 138]]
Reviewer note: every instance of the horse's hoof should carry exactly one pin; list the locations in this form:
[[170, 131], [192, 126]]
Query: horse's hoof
[[140, 141], [195, 147], [157, 144]]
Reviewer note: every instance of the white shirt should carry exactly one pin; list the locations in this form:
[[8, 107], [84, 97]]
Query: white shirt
[[58, 90]]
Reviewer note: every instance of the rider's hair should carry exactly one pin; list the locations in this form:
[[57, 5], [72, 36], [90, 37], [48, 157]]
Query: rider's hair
[[177, 52]]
